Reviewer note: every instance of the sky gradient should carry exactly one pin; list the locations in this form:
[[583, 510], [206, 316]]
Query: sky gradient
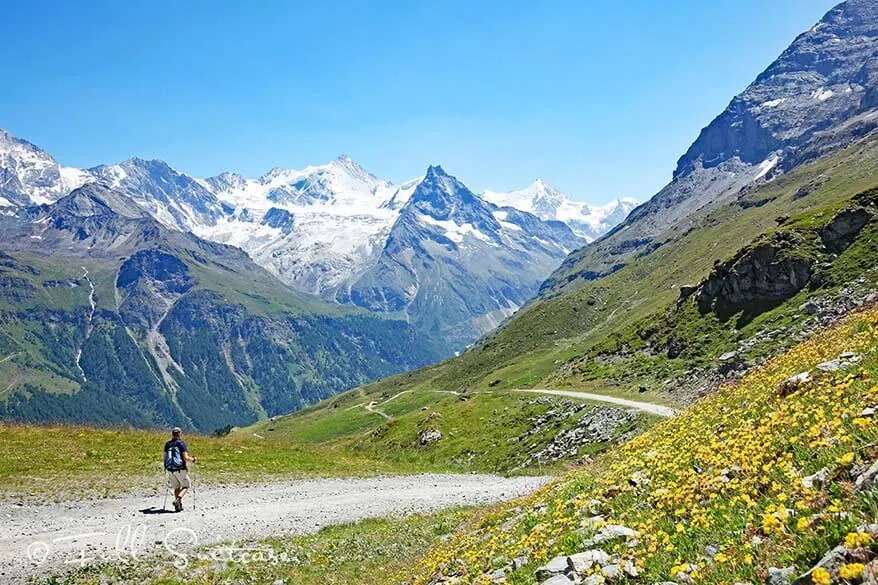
[[600, 99]]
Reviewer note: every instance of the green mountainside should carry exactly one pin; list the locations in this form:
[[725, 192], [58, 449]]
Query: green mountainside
[[630, 332], [108, 317]]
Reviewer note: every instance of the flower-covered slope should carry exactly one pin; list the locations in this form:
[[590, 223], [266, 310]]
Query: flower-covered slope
[[763, 477]]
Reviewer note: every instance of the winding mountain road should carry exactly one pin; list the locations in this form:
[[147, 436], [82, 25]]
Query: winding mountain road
[[649, 407]]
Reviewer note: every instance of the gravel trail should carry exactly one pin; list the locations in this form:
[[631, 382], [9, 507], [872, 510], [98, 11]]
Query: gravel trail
[[38, 540], [657, 409]]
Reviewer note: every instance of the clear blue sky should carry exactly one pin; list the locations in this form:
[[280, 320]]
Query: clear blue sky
[[600, 99]]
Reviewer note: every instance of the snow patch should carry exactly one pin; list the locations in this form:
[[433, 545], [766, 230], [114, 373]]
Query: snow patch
[[766, 166], [773, 103], [454, 232], [510, 226], [822, 94]]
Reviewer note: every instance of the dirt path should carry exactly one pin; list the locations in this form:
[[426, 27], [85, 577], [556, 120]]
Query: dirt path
[[38, 540], [657, 409]]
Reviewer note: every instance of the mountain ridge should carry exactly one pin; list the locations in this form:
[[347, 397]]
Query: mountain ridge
[[323, 230], [110, 316]]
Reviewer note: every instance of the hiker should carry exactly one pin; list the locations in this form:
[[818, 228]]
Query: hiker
[[176, 456]]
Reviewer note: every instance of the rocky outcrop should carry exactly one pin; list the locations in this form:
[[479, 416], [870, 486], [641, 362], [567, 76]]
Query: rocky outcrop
[[768, 272], [843, 229], [777, 267], [279, 218]]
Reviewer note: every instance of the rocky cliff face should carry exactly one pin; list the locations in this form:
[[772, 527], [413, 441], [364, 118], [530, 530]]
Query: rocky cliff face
[[817, 97], [828, 75]]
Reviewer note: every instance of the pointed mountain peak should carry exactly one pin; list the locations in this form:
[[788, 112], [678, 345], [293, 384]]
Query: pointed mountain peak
[[436, 171], [442, 196], [354, 168], [541, 188]]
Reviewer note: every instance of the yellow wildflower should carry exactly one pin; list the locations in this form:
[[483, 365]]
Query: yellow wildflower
[[820, 576], [851, 571], [857, 539]]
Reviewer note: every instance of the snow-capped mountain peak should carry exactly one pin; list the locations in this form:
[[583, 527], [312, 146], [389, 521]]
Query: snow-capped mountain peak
[[29, 175], [548, 203]]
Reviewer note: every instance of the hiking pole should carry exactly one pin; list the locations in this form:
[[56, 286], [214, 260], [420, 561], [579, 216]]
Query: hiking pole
[[193, 486], [167, 489]]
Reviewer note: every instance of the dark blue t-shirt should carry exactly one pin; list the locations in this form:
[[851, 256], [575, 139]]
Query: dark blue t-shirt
[[181, 445]]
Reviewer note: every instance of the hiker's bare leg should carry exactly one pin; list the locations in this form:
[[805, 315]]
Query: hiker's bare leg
[[182, 493]]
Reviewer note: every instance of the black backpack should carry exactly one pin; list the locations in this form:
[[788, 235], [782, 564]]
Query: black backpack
[[173, 457]]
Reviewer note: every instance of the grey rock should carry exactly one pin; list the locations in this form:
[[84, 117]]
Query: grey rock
[[556, 566], [780, 576], [793, 383], [816, 479], [557, 580], [687, 290], [842, 230], [498, 576], [866, 479], [583, 561], [611, 572], [630, 569], [766, 272], [842, 362], [832, 560], [592, 521], [611, 532], [428, 436], [830, 366]]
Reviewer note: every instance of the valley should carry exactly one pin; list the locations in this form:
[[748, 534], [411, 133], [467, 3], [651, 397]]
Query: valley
[[416, 383]]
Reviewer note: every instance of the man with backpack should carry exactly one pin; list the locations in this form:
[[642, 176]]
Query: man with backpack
[[176, 456]]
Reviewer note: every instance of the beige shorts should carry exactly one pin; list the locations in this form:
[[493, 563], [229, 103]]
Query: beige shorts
[[179, 479]]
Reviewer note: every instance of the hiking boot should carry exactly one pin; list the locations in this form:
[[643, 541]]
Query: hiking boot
[[178, 506]]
